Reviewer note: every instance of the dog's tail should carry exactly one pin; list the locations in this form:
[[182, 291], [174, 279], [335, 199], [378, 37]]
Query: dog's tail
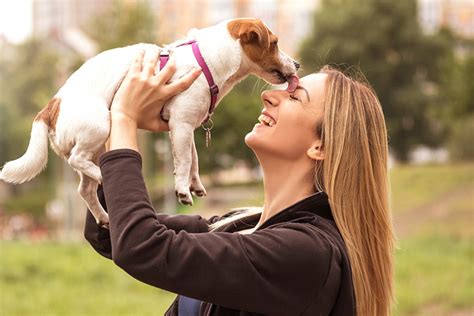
[[35, 158]]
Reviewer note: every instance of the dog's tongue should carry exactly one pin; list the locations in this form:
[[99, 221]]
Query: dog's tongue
[[293, 82]]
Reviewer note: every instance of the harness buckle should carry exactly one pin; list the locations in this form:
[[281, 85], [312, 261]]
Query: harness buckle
[[214, 89]]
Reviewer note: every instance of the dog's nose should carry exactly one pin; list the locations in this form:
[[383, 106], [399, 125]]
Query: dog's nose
[[297, 65]]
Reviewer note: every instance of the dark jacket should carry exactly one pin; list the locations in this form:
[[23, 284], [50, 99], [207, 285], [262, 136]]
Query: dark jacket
[[296, 263]]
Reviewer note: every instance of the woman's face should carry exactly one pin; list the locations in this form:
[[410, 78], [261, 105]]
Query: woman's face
[[295, 114]]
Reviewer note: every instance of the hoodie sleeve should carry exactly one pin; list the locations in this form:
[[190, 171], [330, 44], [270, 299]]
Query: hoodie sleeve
[[99, 237], [276, 271]]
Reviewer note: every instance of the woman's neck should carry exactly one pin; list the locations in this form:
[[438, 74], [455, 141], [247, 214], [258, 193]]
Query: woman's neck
[[285, 183]]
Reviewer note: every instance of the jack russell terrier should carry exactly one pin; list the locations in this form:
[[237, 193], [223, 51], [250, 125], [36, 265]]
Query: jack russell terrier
[[77, 119]]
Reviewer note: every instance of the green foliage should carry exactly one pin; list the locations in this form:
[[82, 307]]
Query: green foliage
[[123, 23], [233, 119], [383, 39], [459, 142], [27, 75], [27, 82], [457, 89], [33, 200], [456, 105]]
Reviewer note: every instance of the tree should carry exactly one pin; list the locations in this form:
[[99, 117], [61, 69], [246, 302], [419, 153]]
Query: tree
[[27, 83], [122, 24], [456, 108], [384, 40], [233, 119]]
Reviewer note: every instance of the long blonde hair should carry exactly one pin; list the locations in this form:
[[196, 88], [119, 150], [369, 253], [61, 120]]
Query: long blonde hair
[[354, 174]]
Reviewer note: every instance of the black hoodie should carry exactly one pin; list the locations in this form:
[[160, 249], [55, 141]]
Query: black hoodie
[[296, 263]]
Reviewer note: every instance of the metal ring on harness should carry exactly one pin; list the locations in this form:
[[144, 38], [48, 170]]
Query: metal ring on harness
[[208, 128]]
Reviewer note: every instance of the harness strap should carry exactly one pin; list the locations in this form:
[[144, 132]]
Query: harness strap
[[213, 88]]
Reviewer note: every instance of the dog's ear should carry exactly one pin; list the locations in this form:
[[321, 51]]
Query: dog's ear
[[250, 31]]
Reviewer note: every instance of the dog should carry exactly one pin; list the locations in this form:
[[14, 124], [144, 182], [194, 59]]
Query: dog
[[77, 119]]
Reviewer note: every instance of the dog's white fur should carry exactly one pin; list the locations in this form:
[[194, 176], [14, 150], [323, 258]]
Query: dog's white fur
[[83, 123]]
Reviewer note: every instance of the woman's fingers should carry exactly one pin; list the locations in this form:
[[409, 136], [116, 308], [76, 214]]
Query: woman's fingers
[[182, 83], [149, 66], [136, 66], [167, 72]]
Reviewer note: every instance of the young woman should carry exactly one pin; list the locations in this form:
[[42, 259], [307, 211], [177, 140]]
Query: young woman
[[321, 245]]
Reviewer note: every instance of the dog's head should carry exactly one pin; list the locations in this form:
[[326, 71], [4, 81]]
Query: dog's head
[[260, 50]]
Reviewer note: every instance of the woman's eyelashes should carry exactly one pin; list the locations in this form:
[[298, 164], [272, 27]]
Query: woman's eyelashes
[[294, 98]]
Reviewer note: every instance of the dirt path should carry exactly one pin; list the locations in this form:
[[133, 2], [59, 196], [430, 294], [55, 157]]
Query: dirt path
[[409, 222]]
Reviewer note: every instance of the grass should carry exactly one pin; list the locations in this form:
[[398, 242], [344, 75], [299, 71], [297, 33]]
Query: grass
[[435, 265], [70, 279], [434, 272], [414, 186]]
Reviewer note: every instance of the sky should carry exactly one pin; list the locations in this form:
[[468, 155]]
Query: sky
[[15, 19]]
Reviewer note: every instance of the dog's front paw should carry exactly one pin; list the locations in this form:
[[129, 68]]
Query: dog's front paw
[[199, 191], [184, 197], [103, 221]]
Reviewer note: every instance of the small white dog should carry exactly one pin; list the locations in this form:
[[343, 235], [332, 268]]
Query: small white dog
[[77, 119]]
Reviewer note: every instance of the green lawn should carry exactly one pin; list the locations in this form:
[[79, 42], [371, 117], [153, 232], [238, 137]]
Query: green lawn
[[434, 264], [70, 279], [434, 276]]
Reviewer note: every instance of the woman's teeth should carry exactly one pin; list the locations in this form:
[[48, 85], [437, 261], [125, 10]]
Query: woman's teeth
[[266, 120]]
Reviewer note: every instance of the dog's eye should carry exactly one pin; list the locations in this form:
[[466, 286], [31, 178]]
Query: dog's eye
[[275, 43]]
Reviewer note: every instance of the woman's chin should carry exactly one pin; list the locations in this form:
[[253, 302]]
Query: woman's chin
[[249, 139], [254, 140], [259, 137]]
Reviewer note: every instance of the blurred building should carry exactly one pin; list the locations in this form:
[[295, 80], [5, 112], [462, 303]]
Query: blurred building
[[289, 19], [455, 14], [51, 16], [62, 21]]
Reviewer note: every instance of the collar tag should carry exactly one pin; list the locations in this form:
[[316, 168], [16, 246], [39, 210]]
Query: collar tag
[[208, 132]]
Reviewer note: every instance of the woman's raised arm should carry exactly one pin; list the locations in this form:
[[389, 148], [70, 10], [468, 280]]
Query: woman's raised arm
[[99, 237]]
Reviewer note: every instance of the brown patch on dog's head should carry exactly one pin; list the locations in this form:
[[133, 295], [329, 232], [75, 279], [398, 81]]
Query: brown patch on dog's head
[[49, 114], [260, 48], [258, 42]]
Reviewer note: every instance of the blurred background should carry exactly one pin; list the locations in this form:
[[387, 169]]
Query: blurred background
[[417, 54]]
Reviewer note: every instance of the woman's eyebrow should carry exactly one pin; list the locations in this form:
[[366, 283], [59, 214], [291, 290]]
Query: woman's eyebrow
[[307, 94]]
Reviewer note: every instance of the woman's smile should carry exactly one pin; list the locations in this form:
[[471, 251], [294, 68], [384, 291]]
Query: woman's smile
[[286, 128]]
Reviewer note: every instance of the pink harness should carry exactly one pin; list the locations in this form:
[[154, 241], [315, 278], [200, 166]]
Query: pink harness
[[213, 88]]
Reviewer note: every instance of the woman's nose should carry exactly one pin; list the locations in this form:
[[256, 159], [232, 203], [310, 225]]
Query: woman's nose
[[270, 98]]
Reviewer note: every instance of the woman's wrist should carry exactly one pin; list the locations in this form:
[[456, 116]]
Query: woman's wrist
[[123, 132]]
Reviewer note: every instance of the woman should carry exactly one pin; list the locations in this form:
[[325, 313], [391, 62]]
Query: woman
[[321, 245]]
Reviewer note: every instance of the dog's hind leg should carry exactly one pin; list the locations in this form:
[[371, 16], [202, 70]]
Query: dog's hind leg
[[88, 192], [81, 160], [196, 185], [181, 134]]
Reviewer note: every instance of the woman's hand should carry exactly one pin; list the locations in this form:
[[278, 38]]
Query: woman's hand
[[141, 97], [142, 94]]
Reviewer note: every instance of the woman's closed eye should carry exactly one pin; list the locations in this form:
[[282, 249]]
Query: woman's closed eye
[[294, 97]]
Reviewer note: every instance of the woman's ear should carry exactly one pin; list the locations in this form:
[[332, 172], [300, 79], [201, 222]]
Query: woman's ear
[[316, 152]]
